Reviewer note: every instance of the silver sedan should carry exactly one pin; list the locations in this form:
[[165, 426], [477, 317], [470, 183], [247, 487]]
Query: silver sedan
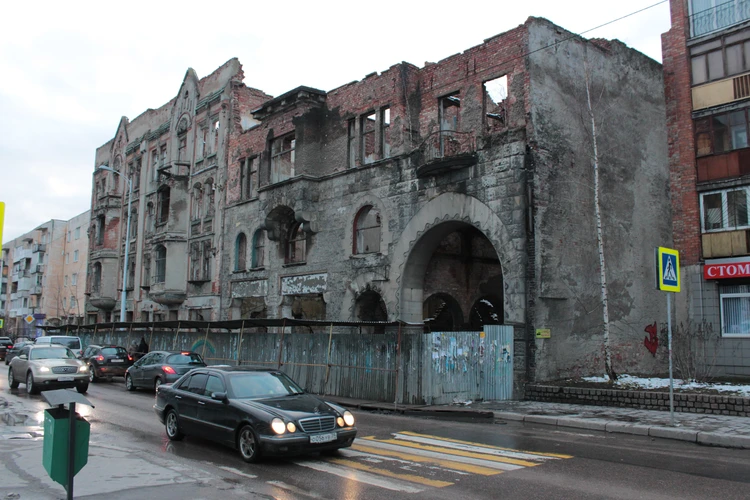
[[43, 367]]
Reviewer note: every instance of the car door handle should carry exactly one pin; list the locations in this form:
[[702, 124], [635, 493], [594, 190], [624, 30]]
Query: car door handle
[[201, 403], [178, 397]]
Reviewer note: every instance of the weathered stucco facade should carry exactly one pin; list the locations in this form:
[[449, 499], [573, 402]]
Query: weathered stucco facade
[[459, 194]]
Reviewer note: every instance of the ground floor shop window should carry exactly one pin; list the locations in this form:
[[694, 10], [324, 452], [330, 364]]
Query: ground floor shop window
[[735, 310]]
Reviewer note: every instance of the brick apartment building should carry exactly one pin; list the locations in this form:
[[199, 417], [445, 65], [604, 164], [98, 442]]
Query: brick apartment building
[[706, 58], [458, 194], [44, 276]]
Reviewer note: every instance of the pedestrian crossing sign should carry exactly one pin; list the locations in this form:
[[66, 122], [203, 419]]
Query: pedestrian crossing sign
[[668, 269]]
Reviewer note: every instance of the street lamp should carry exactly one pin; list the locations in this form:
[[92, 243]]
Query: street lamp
[[127, 243]]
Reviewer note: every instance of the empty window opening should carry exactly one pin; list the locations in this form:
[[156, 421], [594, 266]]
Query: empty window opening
[[367, 129], [367, 231], [296, 245], [282, 158], [182, 150], [495, 102], [240, 255], [259, 239], [248, 169], [163, 214], [352, 143], [385, 132], [96, 280]]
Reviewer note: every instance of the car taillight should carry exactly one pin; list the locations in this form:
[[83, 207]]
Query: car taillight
[[130, 358], [100, 358], [168, 369]]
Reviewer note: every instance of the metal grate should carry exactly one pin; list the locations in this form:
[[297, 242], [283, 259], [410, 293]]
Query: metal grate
[[64, 369], [318, 424]]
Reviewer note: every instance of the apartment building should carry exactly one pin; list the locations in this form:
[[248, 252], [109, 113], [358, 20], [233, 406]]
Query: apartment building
[[40, 272], [450, 196], [707, 85]]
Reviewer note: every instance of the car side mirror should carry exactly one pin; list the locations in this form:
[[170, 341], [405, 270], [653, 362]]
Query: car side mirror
[[23, 356], [220, 396]]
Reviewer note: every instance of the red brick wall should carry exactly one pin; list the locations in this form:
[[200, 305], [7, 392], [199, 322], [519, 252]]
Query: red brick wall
[[677, 91]]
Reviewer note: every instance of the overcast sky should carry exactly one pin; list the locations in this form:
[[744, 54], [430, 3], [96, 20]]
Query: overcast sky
[[70, 70]]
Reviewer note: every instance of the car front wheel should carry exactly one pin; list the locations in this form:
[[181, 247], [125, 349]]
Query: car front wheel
[[171, 426], [129, 383], [157, 383], [248, 445], [30, 385], [92, 374], [12, 382], [82, 388]]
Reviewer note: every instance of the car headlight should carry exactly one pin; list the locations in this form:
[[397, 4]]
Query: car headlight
[[43, 369], [291, 427], [278, 426], [348, 418], [83, 369]]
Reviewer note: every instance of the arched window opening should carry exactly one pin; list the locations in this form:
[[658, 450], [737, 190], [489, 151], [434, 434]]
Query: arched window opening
[[160, 262], [197, 202], [209, 197], [133, 224], [240, 252], [488, 310], [259, 241], [100, 229], [442, 313], [296, 245], [370, 306], [367, 231]]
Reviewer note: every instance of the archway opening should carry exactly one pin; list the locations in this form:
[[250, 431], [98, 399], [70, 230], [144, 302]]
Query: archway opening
[[456, 267]]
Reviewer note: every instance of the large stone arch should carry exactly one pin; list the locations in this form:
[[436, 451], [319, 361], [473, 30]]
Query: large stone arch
[[438, 218]]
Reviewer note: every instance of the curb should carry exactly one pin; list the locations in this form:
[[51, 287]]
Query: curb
[[680, 434]]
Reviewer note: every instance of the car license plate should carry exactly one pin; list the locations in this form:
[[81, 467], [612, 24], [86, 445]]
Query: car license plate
[[116, 360], [323, 438], [64, 379]]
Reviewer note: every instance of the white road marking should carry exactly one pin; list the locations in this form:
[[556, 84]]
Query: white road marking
[[444, 456], [362, 477], [238, 472], [294, 489], [476, 449], [369, 457]]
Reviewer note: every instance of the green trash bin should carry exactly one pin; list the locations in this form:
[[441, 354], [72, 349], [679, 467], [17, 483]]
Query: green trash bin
[[55, 452]]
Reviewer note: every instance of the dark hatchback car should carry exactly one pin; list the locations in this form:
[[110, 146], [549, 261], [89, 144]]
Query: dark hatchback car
[[256, 411], [14, 350], [160, 367], [5, 345], [106, 361]]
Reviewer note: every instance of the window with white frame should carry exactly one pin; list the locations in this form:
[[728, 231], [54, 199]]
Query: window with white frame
[[74, 279], [724, 210], [735, 310], [78, 233], [75, 256]]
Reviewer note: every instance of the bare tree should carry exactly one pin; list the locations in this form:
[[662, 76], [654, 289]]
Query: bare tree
[[599, 234]]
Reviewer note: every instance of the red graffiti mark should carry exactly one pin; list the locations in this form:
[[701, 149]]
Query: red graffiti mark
[[652, 341]]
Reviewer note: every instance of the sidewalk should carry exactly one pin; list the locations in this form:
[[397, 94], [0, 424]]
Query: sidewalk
[[712, 430]]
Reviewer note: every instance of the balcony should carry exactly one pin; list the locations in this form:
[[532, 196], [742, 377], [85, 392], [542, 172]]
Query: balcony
[[444, 151], [40, 268], [719, 17], [100, 301], [36, 290], [39, 247], [161, 295]]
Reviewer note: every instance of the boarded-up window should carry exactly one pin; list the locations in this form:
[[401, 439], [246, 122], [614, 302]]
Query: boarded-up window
[[240, 252], [160, 262], [296, 245], [259, 239]]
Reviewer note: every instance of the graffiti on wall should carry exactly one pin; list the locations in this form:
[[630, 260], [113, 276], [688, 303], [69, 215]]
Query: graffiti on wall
[[652, 341]]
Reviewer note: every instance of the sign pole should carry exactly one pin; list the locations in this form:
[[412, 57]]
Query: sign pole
[[669, 343]]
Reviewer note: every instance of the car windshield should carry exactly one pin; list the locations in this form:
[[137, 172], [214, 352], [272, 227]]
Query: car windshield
[[51, 353], [185, 358], [262, 384], [114, 351], [69, 342]]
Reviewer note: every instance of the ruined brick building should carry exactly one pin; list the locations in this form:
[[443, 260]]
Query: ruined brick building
[[458, 194]]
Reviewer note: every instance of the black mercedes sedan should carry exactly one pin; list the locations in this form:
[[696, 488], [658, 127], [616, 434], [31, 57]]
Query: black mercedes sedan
[[256, 411]]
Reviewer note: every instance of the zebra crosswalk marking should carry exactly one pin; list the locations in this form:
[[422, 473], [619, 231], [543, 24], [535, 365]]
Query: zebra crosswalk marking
[[383, 472], [508, 463], [482, 448], [447, 464], [362, 476]]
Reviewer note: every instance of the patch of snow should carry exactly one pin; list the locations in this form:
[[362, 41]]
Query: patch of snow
[[631, 382]]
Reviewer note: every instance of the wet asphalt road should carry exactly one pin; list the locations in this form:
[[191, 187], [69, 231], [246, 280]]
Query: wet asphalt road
[[411, 457]]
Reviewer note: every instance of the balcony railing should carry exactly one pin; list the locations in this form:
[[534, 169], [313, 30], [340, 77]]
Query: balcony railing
[[39, 247], [445, 150], [719, 17]]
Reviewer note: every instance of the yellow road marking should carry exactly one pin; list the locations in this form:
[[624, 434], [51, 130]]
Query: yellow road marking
[[383, 472], [448, 464], [459, 453], [408, 433]]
